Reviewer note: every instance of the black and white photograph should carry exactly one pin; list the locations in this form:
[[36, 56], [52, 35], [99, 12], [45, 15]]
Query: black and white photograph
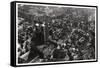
[[52, 33]]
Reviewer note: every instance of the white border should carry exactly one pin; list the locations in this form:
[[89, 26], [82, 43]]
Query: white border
[[55, 6]]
